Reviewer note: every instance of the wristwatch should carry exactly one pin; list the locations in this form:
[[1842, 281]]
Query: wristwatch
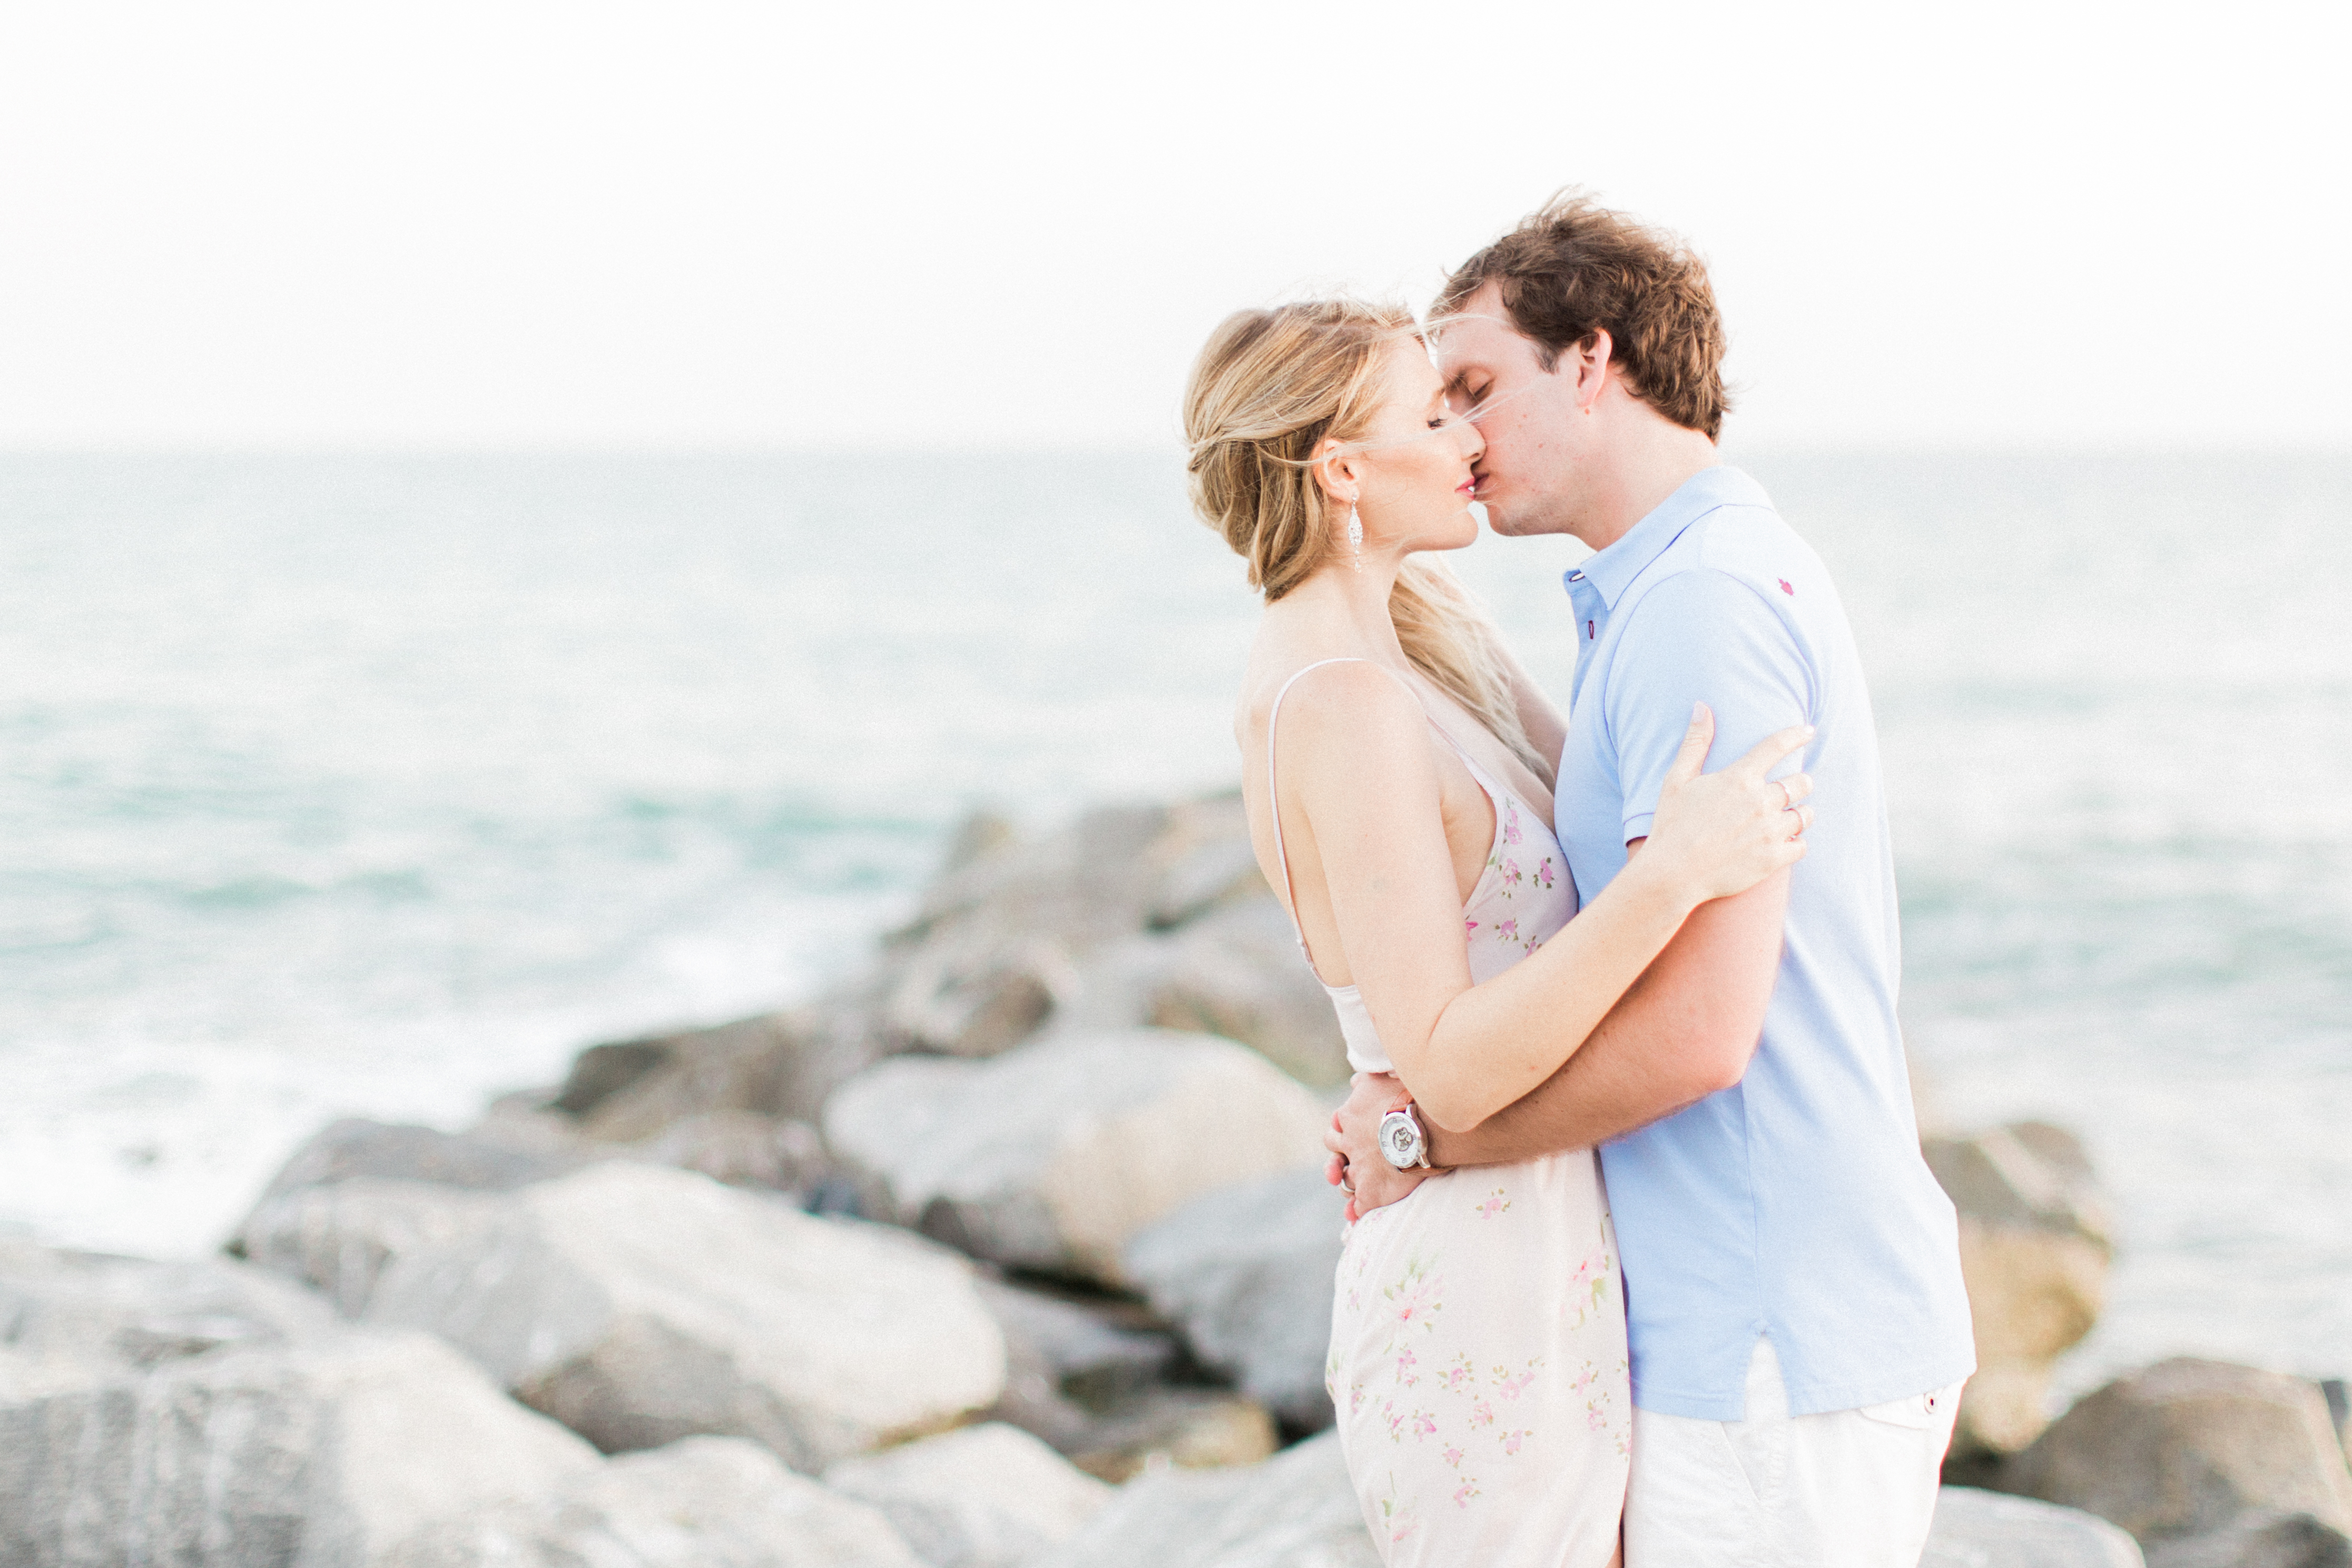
[[1402, 1143]]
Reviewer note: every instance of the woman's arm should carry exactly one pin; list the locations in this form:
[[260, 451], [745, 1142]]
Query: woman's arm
[[1358, 762], [1685, 1030]]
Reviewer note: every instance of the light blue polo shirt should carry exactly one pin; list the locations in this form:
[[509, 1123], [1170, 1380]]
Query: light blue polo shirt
[[1795, 1204]]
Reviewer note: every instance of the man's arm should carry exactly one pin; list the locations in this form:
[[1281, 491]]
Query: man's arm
[[1684, 1030], [1687, 1027]]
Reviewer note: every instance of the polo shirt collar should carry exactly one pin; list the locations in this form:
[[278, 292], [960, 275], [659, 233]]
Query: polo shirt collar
[[1611, 571]]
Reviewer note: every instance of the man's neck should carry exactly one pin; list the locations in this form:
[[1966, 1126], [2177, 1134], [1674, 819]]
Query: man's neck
[[1657, 459]]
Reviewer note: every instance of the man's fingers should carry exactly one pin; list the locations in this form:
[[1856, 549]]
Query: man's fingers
[[1695, 740]]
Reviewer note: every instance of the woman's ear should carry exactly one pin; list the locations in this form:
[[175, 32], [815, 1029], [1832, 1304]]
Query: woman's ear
[[1334, 467]]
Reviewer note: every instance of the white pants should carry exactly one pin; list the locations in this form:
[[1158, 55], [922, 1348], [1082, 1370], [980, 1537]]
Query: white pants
[[1847, 1489]]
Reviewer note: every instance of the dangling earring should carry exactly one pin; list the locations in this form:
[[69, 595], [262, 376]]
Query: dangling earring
[[1356, 536]]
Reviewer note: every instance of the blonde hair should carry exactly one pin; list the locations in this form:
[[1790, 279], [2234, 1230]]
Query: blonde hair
[[1268, 388]]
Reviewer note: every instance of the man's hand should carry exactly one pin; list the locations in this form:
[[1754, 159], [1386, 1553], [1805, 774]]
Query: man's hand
[[1354, 1141]]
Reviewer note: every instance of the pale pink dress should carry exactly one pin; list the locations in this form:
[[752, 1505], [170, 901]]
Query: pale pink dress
[[1477, 1355]]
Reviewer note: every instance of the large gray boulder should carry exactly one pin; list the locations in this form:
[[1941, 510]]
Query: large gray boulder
[[1067, 1362], [2034, 1249], [639, 1305], [2264, 1538], [1129, 915], [1988, 1530], [206, 1414], [703, 1503], [1237, 972], [1246, 1271], [1053, 1158], [994, 952], [990, 1495], [355, 1148], [778, 1065], [2182, 1448], [339, 1239], [741, 1149], [1295, 1510]]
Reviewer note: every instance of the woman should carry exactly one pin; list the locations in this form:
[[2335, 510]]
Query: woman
[[1403, 809]]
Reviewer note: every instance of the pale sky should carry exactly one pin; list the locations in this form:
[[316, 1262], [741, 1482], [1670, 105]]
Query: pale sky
[[873, 225]]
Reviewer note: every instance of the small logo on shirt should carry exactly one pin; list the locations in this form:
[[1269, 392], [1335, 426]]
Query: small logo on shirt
[[1786, 589]]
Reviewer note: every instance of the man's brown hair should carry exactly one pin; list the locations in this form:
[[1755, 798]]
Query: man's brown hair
[[1574, 267]]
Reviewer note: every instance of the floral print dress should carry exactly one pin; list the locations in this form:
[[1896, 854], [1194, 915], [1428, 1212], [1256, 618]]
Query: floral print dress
[[1477, 1358]]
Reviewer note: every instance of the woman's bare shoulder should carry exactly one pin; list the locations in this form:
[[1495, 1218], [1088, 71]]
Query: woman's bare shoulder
[[1341, 689]]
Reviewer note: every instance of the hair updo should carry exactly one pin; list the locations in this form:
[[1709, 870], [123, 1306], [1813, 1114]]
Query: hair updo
[[1269, 387]]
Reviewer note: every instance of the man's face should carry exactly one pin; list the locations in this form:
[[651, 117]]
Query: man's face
[[1528, 477]]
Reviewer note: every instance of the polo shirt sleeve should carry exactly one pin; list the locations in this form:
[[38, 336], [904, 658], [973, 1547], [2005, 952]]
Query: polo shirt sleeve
[[1702, 635]]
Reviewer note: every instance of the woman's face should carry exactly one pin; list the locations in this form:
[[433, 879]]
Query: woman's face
[[1414, 466]]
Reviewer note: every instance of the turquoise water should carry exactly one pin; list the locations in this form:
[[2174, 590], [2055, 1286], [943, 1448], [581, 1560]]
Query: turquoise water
[[375, 784]]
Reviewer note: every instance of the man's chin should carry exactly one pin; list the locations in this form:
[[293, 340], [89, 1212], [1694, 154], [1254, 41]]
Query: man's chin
[[1510, 522], [1525, 520]]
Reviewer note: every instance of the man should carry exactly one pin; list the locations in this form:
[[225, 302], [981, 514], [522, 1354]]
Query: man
[[1797, 1325]]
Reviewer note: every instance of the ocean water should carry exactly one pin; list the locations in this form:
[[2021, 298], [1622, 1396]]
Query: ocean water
[[376, 784]]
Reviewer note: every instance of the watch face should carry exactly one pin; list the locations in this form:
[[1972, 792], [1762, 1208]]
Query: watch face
[[1400, 1139]]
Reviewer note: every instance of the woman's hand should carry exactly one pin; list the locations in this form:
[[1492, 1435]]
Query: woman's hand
[[1357, 1166], [1721, 833]]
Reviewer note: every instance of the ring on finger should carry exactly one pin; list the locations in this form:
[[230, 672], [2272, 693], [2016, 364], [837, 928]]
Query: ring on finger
[[1787, 802], [1344, 1186]]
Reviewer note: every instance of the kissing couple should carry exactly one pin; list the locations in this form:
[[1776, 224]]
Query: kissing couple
[[1645, 1268]]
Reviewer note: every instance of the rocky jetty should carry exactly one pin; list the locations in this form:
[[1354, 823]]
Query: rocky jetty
[[1010, 1252]]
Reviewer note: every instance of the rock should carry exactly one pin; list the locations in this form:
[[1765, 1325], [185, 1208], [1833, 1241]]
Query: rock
[[1214, 867], [984, 1497], [2034, 1249], [1246, 1272], [2264, 1538], [741, 1149], [978, 836], [1085, 1379], [1077, 1352], [1295, 1510], [638, 1305], [1238, 973], [703, 1503], [208, 1413], [1052, 1158], [779, 1064], [991, 953], [1189, 1429], [1062, 931], [2181, 1447], [1987, 1530], [354, 1147], [339, 1239]]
